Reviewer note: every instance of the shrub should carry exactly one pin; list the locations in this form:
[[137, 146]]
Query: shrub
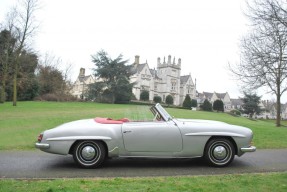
[[144, 96], [235, 112], [193, 103], [169, 100], [157, 99]]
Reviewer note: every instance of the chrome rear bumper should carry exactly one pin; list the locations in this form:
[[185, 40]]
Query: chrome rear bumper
[[248, 149], [42, 145]]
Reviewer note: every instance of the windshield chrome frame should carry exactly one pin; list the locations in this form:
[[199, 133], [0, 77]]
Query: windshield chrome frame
[[160, 110]]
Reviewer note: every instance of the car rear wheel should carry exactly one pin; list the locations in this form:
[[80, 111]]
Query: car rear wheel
[[219, 152], [89, 154]]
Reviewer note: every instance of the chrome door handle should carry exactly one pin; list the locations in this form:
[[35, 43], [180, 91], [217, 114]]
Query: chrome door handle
[[127, 131]]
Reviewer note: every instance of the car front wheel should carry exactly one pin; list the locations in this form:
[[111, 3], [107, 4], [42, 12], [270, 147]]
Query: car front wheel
[[219, 152], [89, 154]]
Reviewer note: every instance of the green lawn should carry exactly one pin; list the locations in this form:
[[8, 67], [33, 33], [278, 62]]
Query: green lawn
[[264, 182], [20, 125]]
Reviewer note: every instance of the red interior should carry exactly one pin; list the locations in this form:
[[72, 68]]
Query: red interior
[[110, 121]]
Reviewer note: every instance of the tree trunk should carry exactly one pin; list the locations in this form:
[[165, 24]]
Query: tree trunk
[[5, 74], [278, 115], [15, 89], [15, 83], [3, 95]]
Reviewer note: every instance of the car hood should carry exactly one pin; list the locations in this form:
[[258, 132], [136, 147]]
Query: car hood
[[200, 121], [209, 125]]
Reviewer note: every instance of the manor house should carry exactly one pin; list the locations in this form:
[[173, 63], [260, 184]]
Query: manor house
[[163, 81]]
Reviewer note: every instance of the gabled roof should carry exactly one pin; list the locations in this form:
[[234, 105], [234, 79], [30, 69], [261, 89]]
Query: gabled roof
[[137, 68], [184, 79], [140, 67], [220, 95], [236, 102], [207, 95]]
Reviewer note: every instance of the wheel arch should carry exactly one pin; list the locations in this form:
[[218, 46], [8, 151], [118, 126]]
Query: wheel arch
[[225, 137], [77, 141]]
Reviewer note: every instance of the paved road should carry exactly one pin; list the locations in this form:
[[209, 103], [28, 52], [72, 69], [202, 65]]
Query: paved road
[[36, 164]]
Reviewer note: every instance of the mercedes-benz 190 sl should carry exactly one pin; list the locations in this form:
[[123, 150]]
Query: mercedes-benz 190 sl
[[92, 141]]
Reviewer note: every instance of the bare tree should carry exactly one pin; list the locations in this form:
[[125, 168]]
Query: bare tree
[[52, 79], [264, 51], [22, 24], [67, 86]]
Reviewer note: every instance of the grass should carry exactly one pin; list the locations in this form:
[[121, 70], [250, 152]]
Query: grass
[[263, 182], [20, 126], [23, 123]]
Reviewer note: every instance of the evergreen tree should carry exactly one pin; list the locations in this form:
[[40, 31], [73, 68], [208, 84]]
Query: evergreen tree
[[169, 100], [206, 106], [187, 102], [218, 105], [251, 104], [123, 90], [115, 75]]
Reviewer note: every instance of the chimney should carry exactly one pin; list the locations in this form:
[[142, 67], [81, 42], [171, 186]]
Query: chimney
[[82, 72], [137, 60]]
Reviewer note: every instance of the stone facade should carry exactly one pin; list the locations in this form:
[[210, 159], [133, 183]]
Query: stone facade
[[229, 104], [163, 81], [81, 84]]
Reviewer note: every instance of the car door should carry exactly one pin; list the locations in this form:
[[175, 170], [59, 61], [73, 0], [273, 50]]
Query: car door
[[157, 136]]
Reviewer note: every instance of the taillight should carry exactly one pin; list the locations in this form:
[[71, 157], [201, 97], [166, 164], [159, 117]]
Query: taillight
[[40, 137]]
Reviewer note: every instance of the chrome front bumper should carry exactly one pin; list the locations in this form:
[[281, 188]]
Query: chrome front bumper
[[42, 145], [248, 149]]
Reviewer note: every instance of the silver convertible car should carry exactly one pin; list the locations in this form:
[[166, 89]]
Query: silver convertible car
[[92, 141]]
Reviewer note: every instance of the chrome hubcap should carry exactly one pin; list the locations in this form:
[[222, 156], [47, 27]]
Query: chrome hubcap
[[88, 153], [219, 152]]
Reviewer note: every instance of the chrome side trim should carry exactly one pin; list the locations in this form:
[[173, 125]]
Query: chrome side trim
[[214, 133], [42, 145], [160, 157], [79, 138], [248, 149], [114, 152]]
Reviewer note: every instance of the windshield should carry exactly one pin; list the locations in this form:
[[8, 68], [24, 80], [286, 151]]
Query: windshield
[[160, 113]]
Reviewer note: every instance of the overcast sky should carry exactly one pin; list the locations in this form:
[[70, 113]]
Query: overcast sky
[[205, 34]]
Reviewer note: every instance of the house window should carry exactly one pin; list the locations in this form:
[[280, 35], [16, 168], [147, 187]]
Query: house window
[[173, 86], [188, 87]]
